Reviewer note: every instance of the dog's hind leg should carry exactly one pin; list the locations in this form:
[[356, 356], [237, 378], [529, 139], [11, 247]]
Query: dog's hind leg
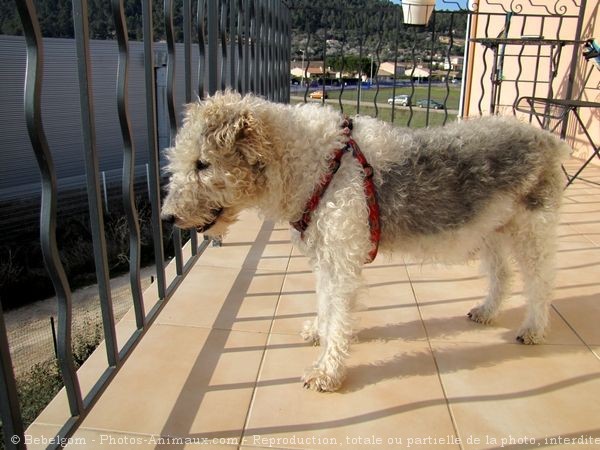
[[495, 262], [535, 250]]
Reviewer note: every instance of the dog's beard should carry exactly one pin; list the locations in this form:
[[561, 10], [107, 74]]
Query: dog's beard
[[220, 224], [216, 214]]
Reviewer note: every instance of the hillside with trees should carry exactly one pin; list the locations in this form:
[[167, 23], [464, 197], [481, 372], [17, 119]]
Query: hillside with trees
[[342, 25]]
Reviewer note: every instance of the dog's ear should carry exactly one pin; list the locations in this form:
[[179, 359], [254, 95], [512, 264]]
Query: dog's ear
[[251, 141], [237, 131]]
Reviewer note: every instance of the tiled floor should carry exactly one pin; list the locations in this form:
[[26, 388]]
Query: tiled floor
[[221, 366]]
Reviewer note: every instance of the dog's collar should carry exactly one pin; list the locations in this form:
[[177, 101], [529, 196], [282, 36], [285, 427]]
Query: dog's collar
[[369, 186]]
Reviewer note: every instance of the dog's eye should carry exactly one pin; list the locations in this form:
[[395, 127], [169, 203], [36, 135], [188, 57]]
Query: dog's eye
[[201, 165]]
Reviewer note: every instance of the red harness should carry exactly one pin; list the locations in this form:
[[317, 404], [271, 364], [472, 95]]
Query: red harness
[[369, 186]]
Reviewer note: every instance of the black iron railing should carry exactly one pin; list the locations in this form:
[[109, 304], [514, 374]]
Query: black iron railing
[[364, 57], [488, 44], [253, 39]]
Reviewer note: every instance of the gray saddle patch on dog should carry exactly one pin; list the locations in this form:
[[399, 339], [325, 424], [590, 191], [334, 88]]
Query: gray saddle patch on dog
[[438, 186]]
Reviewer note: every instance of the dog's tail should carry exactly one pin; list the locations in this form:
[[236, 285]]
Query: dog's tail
[[559, 149], [547, 191]]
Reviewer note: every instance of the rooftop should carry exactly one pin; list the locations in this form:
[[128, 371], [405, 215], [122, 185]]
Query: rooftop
[[223, 360]]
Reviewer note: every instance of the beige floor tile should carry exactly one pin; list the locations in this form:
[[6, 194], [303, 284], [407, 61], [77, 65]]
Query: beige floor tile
[[571, 240], [573, 209], [446, 295], [58, 412], [95, 439], [233, 299], [386, 309], [99, 439], [580, 308], [499, 391], [389, 310], [298, 262], [183, 381], [41, 436], [259, 255], [265, 247], [578, 268], [587, 220], [297, 302], [590, 229], [150, 298], [257, 447], [391, 393], [582, 194]]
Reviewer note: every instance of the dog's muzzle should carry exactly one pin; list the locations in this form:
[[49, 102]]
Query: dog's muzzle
[[216, 213]]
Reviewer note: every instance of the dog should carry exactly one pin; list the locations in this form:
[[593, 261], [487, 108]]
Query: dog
[[486, 186]]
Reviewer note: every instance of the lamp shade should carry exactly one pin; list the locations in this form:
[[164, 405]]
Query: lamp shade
[[417, 12]]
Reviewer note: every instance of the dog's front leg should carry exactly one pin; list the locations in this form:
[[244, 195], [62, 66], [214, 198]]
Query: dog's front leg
[[336, 295]]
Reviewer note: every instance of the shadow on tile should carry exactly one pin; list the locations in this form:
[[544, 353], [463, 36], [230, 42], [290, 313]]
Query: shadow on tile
[[180, 417], [462, 358]]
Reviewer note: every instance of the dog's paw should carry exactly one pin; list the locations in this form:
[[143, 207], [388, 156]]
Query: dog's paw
[[529, 336], [480, 314], [310, 333], [318, 380]]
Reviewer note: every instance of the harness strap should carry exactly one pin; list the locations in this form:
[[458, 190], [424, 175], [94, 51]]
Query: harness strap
[[368, 183]]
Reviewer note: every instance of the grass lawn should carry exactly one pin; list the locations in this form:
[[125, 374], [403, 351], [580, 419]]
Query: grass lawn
[[402, 116], [438, 93]]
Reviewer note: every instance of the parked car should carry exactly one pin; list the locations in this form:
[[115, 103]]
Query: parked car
[[317, 95], [431, 104], [400, 100]]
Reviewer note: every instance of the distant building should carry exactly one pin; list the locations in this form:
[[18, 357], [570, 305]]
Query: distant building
[[299, 69], [387, 69], [454, 63], [417, 73]]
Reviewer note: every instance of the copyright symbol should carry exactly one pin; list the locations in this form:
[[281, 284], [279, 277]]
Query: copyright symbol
[[15, 439]]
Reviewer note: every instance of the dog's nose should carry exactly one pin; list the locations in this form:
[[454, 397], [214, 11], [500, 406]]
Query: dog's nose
[[169, 219]]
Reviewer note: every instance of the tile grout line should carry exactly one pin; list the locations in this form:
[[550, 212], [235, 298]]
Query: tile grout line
[[584, 235], [586, 345], [435, 362], [563, 318], [264, 353]]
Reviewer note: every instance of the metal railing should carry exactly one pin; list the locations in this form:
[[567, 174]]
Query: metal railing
[[526, 48], [368, 56], [465, 44], [242, 45]]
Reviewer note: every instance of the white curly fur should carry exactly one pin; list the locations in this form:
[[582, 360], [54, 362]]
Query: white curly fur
[[487, 185]]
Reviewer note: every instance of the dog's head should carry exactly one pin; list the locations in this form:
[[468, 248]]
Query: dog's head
[[217, 165]]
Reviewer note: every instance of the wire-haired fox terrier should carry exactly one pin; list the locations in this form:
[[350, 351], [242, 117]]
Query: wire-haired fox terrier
[[488, 185]]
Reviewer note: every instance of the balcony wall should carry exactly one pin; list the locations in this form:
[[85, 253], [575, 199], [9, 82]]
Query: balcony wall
[[527, 70]]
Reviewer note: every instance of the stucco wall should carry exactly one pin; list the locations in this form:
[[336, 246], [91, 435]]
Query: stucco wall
[[527, 70]]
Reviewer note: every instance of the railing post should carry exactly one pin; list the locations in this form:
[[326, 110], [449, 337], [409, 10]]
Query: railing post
[[80, 25], [171, 61], [153, 160], [187, 63], [127, 186], [39, 143], [201, 30], [212, 18]]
